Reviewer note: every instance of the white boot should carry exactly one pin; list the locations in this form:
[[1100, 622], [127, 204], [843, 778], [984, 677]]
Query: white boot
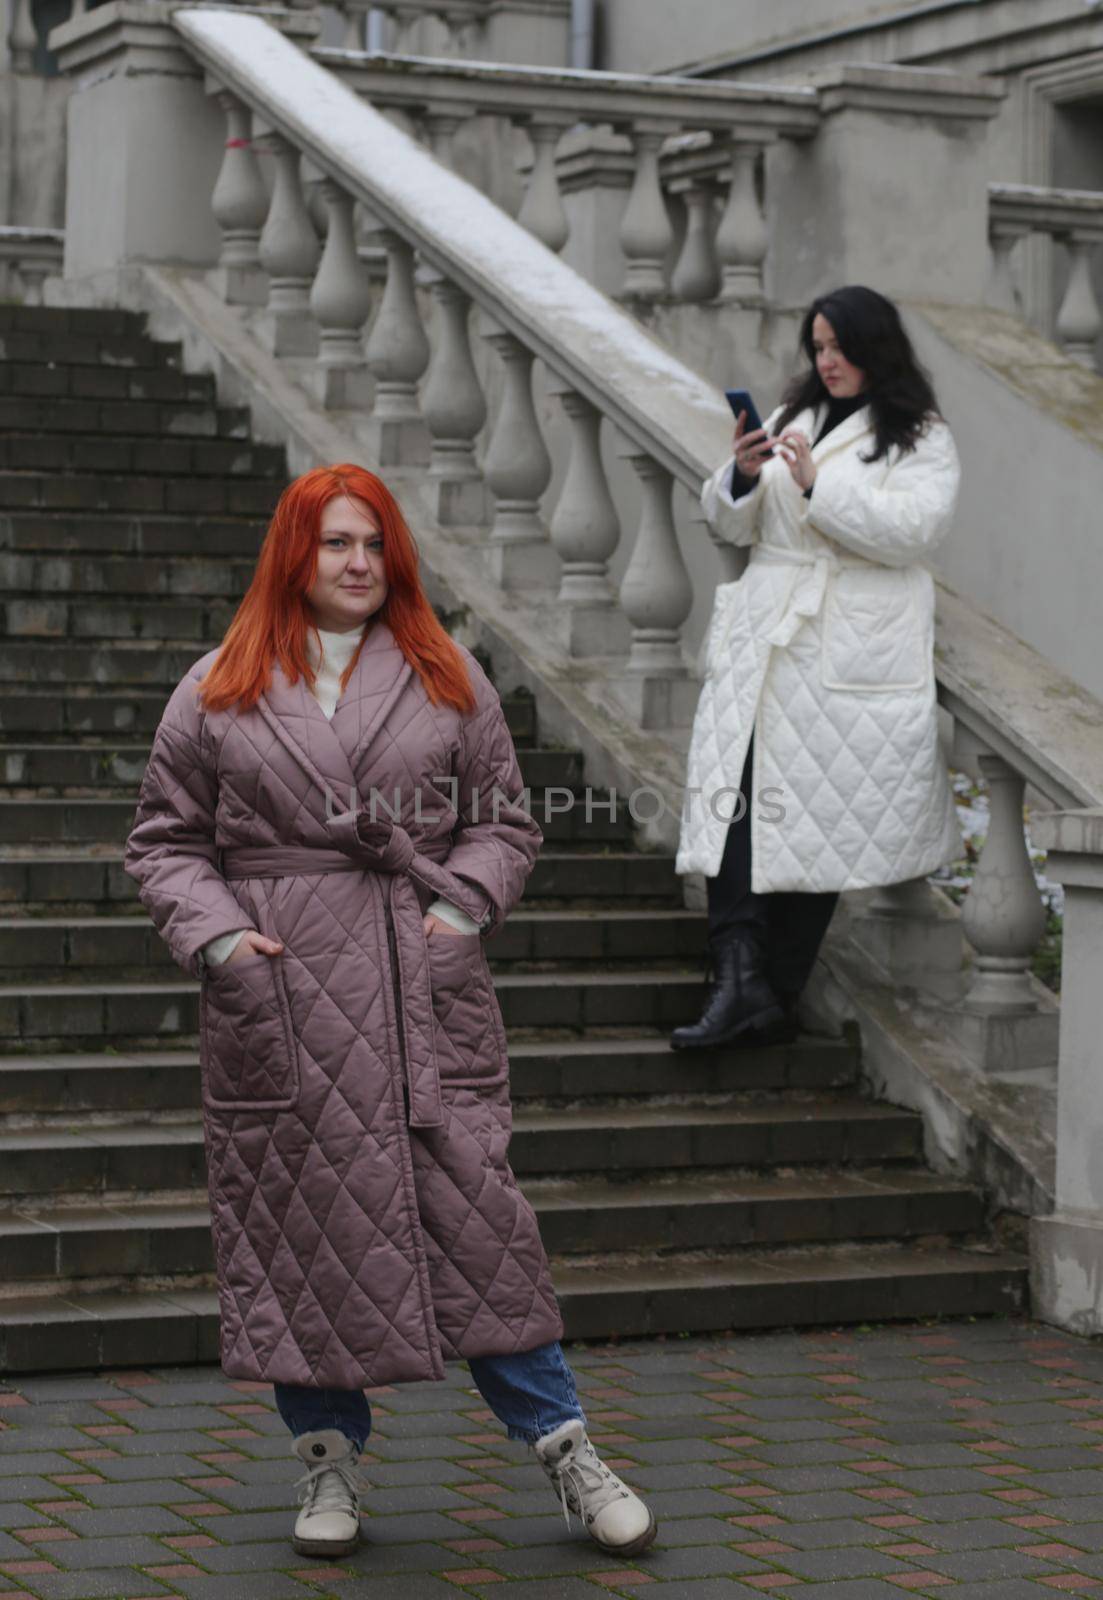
[[329, 1522], [614, 1517]]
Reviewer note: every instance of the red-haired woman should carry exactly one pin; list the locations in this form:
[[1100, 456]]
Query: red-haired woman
[[331, 821]]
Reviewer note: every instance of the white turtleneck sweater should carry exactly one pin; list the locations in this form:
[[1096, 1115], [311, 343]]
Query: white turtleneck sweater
[[337, 650]]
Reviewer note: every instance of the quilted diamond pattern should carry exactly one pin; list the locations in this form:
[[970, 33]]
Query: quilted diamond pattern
[[352, 1248], [825, 649]]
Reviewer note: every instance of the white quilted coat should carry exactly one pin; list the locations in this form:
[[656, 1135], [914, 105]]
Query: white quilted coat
[[824, 648]]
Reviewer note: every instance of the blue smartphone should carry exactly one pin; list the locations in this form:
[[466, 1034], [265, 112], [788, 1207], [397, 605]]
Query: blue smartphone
[[741, 400]]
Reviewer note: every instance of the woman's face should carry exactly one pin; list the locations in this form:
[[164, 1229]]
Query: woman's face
[[350, 584], [839, 377]]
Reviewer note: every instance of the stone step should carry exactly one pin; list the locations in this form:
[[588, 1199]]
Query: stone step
[[84, 949], [134, 663], [109, 764], [41, 617], [150, 537], [120, 577], [762, 1132], [96, 347], [66, 711], [726, 1209], [63, 380], [108, 819], [757, 1130], [105, 322], [786, 1288], [78, 878], [615, 1296], [180, 418], [84, 1016], [51, 1088], [244, 496], [158, 1238], [140, 454]]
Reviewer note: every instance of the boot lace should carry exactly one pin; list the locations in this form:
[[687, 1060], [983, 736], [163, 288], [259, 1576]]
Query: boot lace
[[331, 1486], [586, 1485]]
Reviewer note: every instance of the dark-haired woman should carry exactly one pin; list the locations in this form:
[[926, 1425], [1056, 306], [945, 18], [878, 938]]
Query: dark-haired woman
[[331, 820], [814, 764]]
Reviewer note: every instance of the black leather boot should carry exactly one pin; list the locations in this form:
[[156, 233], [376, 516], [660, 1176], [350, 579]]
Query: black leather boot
[[741, 1004]]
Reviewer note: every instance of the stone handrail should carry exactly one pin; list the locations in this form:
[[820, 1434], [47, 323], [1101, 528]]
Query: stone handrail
[[35, 254], [681, 134], [1072, 217], [426, 407]]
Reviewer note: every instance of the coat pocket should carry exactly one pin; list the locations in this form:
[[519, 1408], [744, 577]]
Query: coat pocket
[[248, 1055], [467, 1019], [873, 640]]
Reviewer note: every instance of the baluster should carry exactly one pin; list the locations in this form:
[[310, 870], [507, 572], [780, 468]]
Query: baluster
[[457, 23], [1079, 320], [22, 37], [542, 211], [398, 353], [742, 238], [646, 234], [1003, 916], [289, 253], [441, 124], [697, 274], [585, 531], [517, 468], [33, 272], [240, 205], [656, 596], [1003, 290], [454, 407], [340, 300], [355, 25]]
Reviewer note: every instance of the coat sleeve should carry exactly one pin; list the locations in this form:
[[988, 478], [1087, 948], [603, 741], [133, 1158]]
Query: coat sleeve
[[171, 850], [905, 518], [736, 521]]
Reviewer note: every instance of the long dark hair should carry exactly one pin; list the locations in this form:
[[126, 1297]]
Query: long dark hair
[[873, 338]]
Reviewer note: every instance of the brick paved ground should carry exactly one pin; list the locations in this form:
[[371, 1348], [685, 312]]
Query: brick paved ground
[[957, 1459]]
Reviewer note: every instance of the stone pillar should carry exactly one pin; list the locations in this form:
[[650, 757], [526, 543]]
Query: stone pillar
[[1066, 1248], [900, 166], [145, 140]]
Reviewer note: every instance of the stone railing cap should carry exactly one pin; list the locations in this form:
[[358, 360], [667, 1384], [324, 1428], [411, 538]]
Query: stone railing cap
[[609, 96], [909, 90], [1074, 833]]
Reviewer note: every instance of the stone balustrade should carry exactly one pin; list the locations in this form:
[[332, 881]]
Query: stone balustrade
[[1070, 217], [28, 257], [681, 135]]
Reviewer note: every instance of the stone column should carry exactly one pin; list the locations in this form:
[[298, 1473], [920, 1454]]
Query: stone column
[[136, 88], [1066, 1248], [927, 238]]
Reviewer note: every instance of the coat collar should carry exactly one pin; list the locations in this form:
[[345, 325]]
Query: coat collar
[[849, 431], [329, 750]]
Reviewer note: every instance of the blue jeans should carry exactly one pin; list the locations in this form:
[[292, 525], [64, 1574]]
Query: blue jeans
[[533, 1393]]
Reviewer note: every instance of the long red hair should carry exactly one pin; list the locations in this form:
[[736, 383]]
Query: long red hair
[[272, 621]]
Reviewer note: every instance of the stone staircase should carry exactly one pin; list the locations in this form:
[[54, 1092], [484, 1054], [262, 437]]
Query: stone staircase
[[674, 1193]]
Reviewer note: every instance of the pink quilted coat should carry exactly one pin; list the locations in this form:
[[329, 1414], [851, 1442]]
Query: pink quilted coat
[[356, 1104]]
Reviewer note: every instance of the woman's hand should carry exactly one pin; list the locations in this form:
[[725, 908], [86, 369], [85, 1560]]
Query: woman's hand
[[795, 449], [434, 924], [253, 943], [752, 450]]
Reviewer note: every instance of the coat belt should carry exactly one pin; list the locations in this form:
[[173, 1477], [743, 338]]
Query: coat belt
[[807, 586], [413, 994]]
